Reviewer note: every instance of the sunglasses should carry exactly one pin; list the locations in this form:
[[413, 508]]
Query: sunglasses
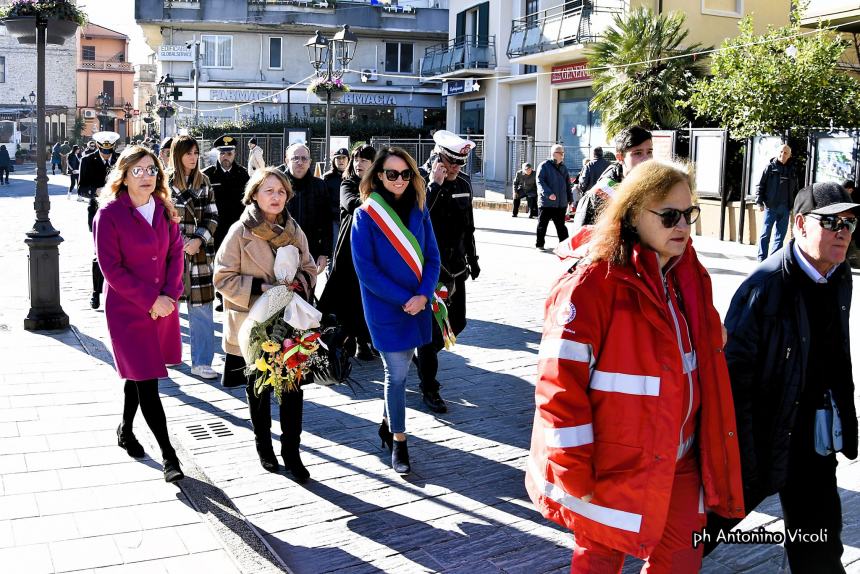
[[138, 171], [671, 217], [393, 174], [452, 161], [835, 223], [300, 159]]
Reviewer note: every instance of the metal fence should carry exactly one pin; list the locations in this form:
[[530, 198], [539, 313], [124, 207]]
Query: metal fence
[[274, 150], [525, 149]]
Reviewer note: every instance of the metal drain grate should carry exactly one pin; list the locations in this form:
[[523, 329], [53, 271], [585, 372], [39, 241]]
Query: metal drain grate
[[207, 431]]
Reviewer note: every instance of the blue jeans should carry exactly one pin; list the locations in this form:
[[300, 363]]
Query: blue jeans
[[773, 217], [201, 333], [396, 365]]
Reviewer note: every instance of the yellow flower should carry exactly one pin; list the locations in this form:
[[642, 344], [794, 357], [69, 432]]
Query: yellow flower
[[270, 346], [261, 364]]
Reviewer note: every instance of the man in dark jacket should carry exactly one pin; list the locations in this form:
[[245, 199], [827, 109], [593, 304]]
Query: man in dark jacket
[[94, 171], [449, 199], [310, 203], [591, 173], [774, 195], [633, 145], [554, 195], [228, 180], [789, 359], [332, 179], [525, 187]]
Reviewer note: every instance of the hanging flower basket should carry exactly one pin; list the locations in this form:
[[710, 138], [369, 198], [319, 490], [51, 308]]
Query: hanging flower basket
[[62, 17], [165, 111], [321, 88], [148, 119]]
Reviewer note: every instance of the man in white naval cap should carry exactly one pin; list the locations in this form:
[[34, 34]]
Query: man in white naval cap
[[94, 171], [449, 198]]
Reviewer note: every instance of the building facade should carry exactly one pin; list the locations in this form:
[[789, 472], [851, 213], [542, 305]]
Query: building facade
[[103, 68], [253, 61], [145, 78], [528, 58], [18, 81]]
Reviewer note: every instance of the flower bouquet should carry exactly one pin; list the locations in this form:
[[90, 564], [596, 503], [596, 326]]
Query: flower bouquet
[[281, 340], [165, 110]]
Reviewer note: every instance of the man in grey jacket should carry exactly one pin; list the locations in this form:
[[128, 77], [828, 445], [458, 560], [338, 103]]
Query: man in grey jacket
[[554, 195]]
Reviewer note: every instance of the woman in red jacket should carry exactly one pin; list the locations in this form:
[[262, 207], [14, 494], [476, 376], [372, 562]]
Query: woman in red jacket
[[634, 433]]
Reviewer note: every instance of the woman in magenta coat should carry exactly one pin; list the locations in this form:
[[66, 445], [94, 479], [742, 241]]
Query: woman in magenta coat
[[139, 249]]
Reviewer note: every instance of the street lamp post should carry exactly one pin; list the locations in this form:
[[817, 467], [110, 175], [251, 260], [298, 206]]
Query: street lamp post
[[166, 89], [43, 240], [148, 119], [127, 109], [330, 59]]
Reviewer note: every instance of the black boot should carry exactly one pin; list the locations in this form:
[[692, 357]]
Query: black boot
[[291, 431], [98, 285], [129, 442], [434, 401], [400, 457], [427, 362], [385, 435], [95, 300], [261, 422], [172, 472]]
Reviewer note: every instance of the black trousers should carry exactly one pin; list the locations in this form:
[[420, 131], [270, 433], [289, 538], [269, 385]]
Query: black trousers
[[532, 203], [426, 357], [4, 175], [290, 414], [810, 502], [144, 394], [517, 200], [545, 215], [73, 180]]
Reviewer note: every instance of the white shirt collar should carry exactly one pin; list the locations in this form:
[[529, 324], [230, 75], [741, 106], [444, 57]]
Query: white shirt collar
[[225, 170], [807, 267]]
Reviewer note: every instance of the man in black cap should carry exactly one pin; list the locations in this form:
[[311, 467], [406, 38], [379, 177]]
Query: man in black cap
[[94, 171], [332, 179], [449, 199], [228, 180], [789, 360], [164, 152]]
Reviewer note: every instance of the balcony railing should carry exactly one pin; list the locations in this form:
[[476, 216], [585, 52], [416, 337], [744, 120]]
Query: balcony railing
[[567, 24], [298, 3], [106, 65], [461, 53]]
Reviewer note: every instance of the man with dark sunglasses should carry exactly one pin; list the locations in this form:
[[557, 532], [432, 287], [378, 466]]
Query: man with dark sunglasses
[[789, 360], [449, 198]]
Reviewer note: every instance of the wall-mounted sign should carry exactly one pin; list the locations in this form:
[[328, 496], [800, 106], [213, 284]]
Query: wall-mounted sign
[[576, 72], [359, 99], [455, 87], [178, 53], [234, 95]]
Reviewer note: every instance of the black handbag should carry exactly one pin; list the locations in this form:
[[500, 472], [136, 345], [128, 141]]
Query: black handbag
[[339, 347]]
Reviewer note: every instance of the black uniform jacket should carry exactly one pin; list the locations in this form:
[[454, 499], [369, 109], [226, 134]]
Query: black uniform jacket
[[310, 208], [228, 187]]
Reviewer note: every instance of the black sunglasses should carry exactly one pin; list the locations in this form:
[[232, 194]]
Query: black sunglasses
[[835, 223], [393, 174], [670, 217]]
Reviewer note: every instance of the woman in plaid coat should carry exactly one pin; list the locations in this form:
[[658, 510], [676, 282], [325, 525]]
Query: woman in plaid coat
[[198, 219]]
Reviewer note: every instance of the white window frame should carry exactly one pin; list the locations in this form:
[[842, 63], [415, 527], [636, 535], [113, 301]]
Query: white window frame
[[400, 57], [280, 54], [217, 37], [738, 13], [2, 69]]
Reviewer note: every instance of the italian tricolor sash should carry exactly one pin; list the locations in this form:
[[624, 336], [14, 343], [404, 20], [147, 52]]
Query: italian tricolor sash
[[406, 245]]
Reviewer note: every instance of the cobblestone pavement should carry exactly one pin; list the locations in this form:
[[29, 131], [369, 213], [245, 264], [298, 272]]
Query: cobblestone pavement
[[70, 500]]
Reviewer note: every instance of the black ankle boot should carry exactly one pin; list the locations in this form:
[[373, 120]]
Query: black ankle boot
[[172, 472], [268, 459], [363, 352], [129, 443], [385, 435], [293, 462], [400, 457]]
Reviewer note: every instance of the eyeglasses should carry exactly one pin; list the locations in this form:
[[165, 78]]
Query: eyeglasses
[[670, 217], [835, 223], [300, 159], [138, 171], [393, 174]]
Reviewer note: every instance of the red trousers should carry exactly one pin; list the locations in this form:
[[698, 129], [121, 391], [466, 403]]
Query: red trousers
[[674, 554]]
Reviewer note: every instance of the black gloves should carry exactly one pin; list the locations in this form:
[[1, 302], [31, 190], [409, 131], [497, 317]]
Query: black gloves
[[474, 269]]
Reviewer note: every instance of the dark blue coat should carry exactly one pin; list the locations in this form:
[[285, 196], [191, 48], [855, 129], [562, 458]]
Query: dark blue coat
[[553, 179], [387, 282]]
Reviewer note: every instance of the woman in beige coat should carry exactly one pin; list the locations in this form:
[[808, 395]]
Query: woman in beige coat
[[244, 269]]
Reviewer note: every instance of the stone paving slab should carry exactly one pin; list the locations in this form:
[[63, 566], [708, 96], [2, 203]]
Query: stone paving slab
[[464, 508]]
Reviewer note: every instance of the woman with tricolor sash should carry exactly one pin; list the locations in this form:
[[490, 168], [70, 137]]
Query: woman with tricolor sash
[[397, 263]]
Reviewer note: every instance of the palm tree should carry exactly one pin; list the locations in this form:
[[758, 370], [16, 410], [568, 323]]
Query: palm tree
[[641, 73]]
